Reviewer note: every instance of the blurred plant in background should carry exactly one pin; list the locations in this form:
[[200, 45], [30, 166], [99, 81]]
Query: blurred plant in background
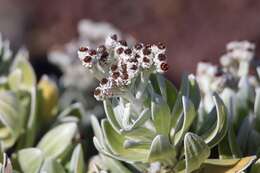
[[76, 84], [34, 135], [236, 80]]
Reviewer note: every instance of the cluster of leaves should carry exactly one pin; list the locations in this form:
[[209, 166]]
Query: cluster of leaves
[[33, 134], [167, 131], [241, 95]]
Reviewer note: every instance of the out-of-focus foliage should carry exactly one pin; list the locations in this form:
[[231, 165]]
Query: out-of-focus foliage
[[36, 137], [236, 80]]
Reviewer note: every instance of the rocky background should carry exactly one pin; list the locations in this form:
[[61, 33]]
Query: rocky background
[[192, 30]]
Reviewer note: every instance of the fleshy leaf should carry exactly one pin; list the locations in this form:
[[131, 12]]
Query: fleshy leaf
[[77, 164], [189, 115], [214, 135], [196, 151], [57, 140], [111, 115], [161, 150], [52, 166], [30, 160], [115, 143], [257, 109], [161, 116], [28, 75]]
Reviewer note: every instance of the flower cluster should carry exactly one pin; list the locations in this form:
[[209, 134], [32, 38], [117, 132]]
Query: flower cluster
[[238, 57], [116, 65]]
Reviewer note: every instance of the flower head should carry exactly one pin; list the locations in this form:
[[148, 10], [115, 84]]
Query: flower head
[[116, 65]]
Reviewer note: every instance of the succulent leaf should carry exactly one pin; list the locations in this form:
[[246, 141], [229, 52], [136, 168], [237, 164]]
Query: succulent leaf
[[196, 152], [56, 141], [77, 164], [30, 160]]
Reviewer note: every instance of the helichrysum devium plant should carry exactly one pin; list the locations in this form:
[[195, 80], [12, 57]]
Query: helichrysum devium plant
[[149, 124], [239, 89], [35, 138]]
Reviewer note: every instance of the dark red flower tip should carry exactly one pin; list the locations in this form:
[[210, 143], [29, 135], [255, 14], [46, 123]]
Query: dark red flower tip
[[146, 59], [83, 49], [103, 81], [97, 92], [120, 50], [138, 46], [125, 76], [146, 51], [148, 45], [162, 57], [114, 37], [115, 75], [137, 56], [113, 67], [128, 51], [161, 46], [87, 59], [92, 52], [164, 67], [123, 42], [134, 67]]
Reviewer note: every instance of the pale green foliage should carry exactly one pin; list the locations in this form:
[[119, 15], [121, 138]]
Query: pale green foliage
[[22, 107], [144, 131]]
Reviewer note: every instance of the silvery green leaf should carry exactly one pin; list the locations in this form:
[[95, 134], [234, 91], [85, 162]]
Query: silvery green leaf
[[113, 165], [32, 119], [224, 149], [97, 129], [162, 150], [256, 167], [165, 88], [257, 109], [161, 116], [77, 164], [129, 143], [142, 118], [194, 91], [111, 115], [52, 166], [115, 143], [253, 142], [30, 160], [14, 79], [189, 115], [218, 131], [11, 118], [244, 133], [57, 140], [184, 91], [28, 75], [106, 164], [140, 133], [196, 152]]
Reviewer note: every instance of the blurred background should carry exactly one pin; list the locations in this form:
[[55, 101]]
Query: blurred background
[[192, 30]]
